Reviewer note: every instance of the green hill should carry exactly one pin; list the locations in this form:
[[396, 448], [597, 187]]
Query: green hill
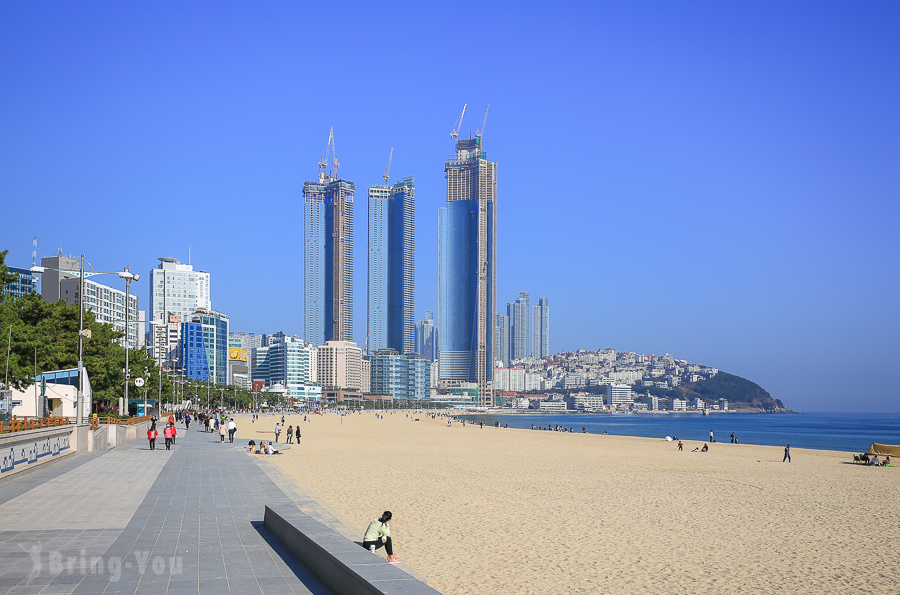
[[740, 392]]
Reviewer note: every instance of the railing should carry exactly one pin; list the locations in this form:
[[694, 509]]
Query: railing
[[19, 424], [97, 421]]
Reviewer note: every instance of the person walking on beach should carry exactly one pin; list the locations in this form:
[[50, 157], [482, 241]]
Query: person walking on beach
[[787, 454], [680, 445], [379, 534], [290, 434]]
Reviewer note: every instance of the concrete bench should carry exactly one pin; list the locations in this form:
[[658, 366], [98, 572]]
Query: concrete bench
[[343, 566]]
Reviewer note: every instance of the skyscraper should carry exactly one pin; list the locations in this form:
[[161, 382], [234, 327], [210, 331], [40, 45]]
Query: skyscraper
[[519, 334], [501, 339], [203, 347], [391, 291], [328, 255], [540, 329], [467, 268], [426, 337], [176, 292]]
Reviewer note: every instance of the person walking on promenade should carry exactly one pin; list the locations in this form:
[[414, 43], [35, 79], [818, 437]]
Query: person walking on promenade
[[187, 421], [379, 534], [167, 434], [221, 432], [152, 435], [290, 434], [232, 429], [277, 431], [174, 432], [787, 454]]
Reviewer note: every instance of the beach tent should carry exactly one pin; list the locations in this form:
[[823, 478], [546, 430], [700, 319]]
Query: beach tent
[[883, 450]]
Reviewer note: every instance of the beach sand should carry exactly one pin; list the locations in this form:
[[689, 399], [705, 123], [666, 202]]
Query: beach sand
[[521, 511]]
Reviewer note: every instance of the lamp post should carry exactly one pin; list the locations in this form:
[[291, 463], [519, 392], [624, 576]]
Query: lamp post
[[129, 277], [81, 273]]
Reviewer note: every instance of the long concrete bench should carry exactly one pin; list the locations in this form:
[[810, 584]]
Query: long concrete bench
[[343, 566]]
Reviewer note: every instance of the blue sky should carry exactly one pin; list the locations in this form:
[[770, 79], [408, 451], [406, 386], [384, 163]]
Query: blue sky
[[715, 180]]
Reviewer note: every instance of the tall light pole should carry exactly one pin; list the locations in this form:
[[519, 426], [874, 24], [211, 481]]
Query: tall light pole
[[129, 277]]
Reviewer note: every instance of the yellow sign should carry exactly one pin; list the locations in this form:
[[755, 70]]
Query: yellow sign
[[237, 355]]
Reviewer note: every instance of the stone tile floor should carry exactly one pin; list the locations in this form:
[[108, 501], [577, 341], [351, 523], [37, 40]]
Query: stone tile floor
[[129, 520]]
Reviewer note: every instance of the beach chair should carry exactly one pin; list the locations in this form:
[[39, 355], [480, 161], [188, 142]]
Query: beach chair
[[856, 459]]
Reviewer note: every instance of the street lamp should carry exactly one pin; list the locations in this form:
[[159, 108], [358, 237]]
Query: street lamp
[[79, 413]]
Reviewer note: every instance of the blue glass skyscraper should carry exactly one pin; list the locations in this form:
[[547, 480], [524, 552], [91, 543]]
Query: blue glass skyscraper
[[391, 261], [328, 256], [203, 347], [467, 228]]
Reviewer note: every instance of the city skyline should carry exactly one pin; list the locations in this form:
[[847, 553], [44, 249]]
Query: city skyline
[[735, 165]]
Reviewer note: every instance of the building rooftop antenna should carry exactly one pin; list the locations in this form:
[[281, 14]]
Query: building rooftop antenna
[[387, 170], [458, 126]]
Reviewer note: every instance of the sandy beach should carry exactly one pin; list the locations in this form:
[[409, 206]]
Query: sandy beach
[[520, 511]]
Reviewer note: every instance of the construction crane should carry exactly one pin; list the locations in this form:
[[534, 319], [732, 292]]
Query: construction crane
[[481, 133], [387, 172], [458, 126], [323, 161]]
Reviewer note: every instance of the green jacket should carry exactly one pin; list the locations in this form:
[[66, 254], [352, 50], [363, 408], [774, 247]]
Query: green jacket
[[377, 530]]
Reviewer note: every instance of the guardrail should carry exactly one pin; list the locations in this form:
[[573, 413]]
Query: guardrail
[[21, 423], [97, 421]]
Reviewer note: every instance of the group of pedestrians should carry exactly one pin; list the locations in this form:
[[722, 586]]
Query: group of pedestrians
[[169, 433]]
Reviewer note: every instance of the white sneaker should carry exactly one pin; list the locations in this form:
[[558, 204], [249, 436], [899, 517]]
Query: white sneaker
[[372, 549]]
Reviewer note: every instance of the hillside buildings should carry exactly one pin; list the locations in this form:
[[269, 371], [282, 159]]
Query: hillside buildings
[[467, 256]]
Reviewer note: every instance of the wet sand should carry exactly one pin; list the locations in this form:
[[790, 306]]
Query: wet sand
[[521, 511]]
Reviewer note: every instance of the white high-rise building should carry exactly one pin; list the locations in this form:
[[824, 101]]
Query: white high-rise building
[[340, 365], [107, 304], [175, 290]]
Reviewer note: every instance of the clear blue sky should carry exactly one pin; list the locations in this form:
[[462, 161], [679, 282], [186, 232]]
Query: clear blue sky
[[717, 180]]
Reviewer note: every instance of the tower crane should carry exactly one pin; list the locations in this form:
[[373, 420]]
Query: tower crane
[[481, 133], [387, 170], [458, 126], [323, 162]]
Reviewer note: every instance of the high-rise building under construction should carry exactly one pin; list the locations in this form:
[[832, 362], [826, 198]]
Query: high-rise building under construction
[[328, 254], [467, 268], [392, 268]]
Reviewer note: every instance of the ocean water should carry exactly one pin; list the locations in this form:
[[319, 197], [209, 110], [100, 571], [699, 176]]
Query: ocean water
[[848, 432]]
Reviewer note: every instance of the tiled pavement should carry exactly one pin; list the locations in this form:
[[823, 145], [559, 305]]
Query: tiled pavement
[[130, 520]]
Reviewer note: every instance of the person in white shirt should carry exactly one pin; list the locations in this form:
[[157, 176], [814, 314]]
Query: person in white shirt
[[232, 429]]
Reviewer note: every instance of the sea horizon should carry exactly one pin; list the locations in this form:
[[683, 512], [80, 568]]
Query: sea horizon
[[837, 431]]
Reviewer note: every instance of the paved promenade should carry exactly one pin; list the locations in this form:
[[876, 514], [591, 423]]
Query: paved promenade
[[131, 520]]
